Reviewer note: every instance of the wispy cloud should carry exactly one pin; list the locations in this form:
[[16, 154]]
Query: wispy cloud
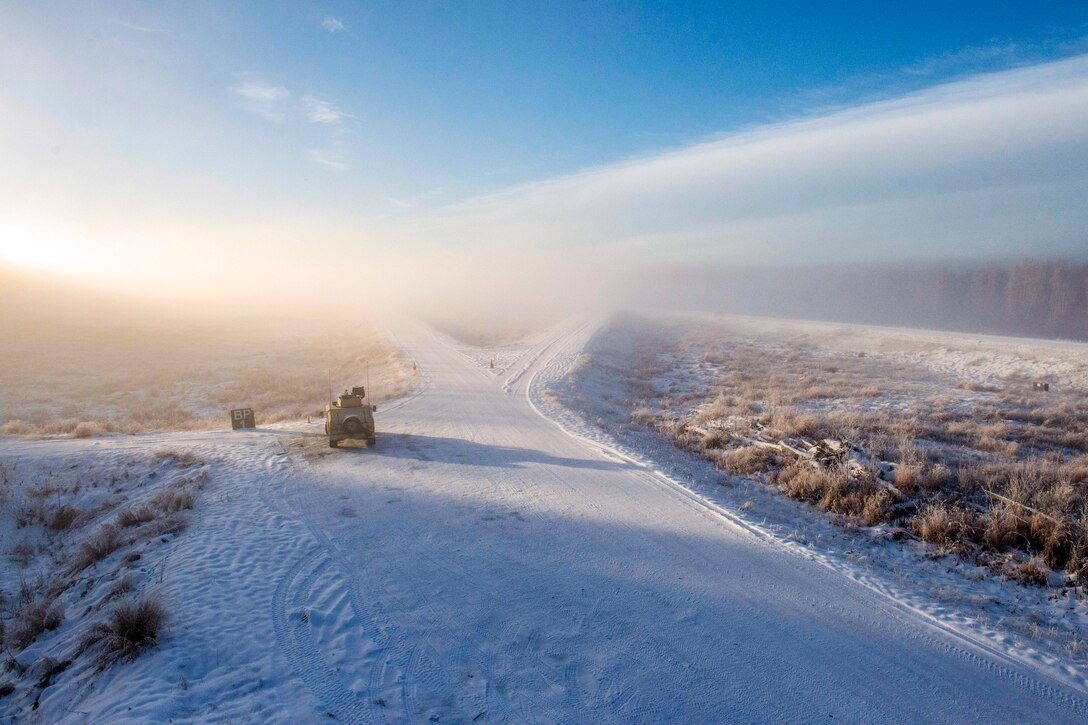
[[969, 58], [329, 158], [261, 93], [996, 56], [142, 28], [332, 24], [318, 111], [276, 103], [334, 155], [329, 115], [263, 98]]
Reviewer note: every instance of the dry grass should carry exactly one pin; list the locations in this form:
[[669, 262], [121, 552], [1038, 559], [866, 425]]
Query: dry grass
[[32, 618], [105, 623], [177, 457], [877, 508], [62, 518], [134, 516], [163, 511], [841, 490], [791, 423], [23, 553], [132, 626], [97, 547], [747, 460], [17, 428], [173, 523], [945, 524], [1032, 572], [994, 470], [88, 429], [907, 477], [47, 668], [153, 381], [174, 500]]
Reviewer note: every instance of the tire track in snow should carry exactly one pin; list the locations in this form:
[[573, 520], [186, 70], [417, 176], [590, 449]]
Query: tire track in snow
[[418, 677], [297, 644], [302, 652], [564, 671], [390, 653]]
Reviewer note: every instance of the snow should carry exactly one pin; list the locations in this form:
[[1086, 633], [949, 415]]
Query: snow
[[1044, 627], [487, 563], [969, 358]]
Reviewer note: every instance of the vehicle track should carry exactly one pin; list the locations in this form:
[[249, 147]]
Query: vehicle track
[[293, 594], [427, 661], [295, 640]]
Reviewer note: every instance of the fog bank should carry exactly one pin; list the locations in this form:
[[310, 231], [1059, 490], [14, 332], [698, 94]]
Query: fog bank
[[986, 170], [1046, 299]]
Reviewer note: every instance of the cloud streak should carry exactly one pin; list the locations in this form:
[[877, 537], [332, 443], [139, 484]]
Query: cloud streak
[[334, 156], [993, 167], [318, 111], [330, 159], [274, 103], [143, 28], [989, 166], [264, 99], [332, 24]]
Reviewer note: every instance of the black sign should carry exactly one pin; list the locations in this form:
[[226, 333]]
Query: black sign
[[242, 418]]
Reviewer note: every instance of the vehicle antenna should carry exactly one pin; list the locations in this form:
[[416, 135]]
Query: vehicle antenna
[[368, 400], [330, 386]]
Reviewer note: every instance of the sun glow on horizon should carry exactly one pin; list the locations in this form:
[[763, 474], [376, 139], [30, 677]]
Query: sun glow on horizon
[[39, 249]]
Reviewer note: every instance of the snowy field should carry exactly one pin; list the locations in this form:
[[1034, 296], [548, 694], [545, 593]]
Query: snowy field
[[666, 391], [88, 530], [496, 558], [139, 381]]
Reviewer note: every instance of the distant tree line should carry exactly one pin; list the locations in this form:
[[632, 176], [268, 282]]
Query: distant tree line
[[1030, 298]]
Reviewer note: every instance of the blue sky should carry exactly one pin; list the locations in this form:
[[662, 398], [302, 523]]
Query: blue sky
[[518, 90], [482, 94], [133, 129], [447, 99]]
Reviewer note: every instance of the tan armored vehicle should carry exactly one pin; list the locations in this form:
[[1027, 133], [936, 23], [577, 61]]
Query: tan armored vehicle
[[350, 417]]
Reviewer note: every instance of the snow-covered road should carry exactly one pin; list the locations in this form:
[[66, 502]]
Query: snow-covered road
[[482, 564]]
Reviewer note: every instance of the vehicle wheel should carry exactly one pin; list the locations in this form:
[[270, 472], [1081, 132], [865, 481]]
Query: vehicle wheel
[[334, 444], [352, 426]]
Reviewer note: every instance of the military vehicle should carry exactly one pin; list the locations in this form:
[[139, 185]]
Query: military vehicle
[[350, 417]]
